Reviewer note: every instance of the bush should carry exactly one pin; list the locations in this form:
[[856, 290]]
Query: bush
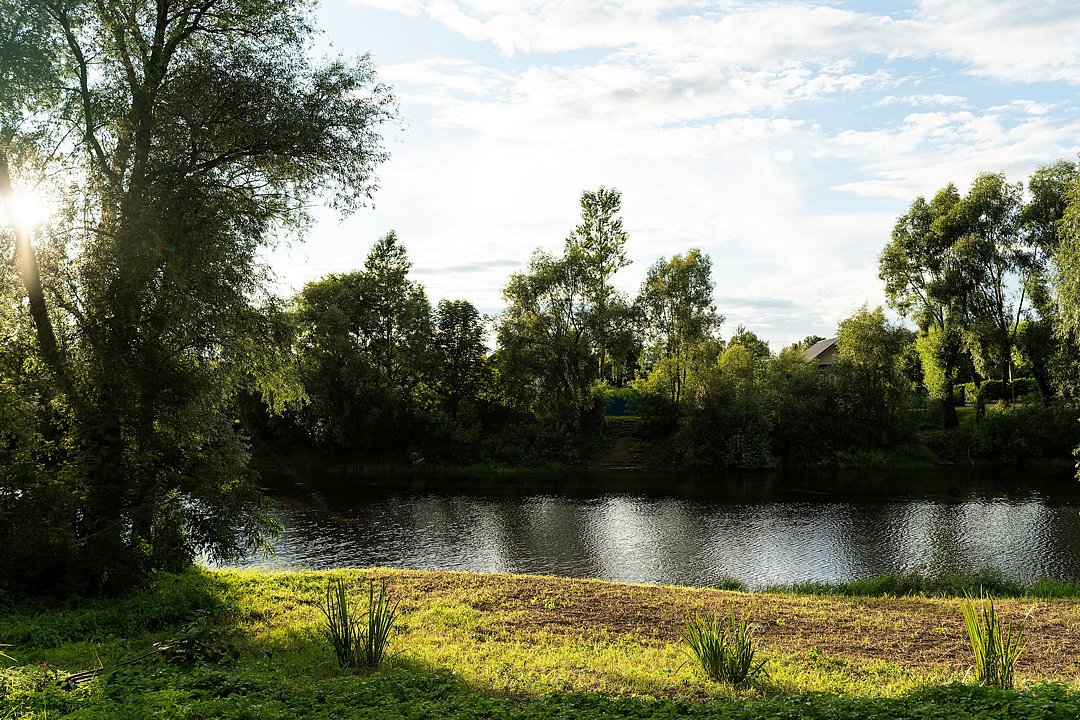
[[619, 401], [1025, 387], [170, 602], [1017, 433], [990, 390]]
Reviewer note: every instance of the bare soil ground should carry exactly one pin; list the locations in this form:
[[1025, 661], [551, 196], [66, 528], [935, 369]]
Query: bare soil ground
[[912, 631]]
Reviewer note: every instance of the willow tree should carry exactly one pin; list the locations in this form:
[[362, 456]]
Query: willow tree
[[180, 137]]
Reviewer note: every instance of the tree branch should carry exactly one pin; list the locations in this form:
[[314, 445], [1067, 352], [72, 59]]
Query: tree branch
[[60, 15]]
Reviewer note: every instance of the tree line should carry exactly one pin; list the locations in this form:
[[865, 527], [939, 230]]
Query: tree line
[[386, 376]]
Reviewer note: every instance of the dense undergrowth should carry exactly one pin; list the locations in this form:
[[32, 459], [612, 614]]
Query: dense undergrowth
[[475, 646]]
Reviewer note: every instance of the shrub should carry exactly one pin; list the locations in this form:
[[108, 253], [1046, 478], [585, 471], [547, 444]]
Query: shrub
[[1017, 433], [358, 642], [726, 654], [996, 647]]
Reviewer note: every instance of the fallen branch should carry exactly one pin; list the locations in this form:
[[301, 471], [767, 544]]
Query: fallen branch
[[70, 681]]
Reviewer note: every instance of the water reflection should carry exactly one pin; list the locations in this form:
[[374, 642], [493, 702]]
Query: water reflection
[[761, 530]]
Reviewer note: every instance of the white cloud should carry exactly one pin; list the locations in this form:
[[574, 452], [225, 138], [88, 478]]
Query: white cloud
[[445, 75], [920, 100], [405, 7]]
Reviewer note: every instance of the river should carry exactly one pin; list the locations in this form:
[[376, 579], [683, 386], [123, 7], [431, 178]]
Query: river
[[762, 529]]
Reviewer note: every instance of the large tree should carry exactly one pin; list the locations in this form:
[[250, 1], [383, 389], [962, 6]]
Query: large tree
[[924, 281], [993, 258], [599, 244], [184, 134], [564, 316], [874, 393], [459, 350], [1041, 219], [1067, 280], [679, 316], [545, 338], [364, 344]]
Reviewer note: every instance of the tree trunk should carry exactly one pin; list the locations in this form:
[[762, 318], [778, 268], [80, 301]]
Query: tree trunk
[[1006, 375], [27, 266], [949, 407]]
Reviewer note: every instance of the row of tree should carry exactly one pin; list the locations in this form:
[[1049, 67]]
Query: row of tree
[[980, 275], [387, 376]]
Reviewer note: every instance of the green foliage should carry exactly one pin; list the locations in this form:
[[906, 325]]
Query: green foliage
[[358, 642], [363, 347], [728, 421], [155, 311], [562, 328], [1018, 433], [170, 602], [679, 322], [874, 394], [619, 401], [725, 652], [996, 647], [460, 373]]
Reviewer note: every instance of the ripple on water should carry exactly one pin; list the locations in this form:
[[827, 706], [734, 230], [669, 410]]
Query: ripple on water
[[769, 538]]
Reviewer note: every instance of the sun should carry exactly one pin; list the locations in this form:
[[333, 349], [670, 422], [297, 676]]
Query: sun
[[27, 210]]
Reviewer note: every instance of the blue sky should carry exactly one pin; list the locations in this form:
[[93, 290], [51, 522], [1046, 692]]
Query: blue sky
[[782, 138]]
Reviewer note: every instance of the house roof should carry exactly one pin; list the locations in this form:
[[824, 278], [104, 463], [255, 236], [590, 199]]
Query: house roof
[[818, 348]]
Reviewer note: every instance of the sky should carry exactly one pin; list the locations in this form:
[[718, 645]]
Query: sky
[[781, 138]]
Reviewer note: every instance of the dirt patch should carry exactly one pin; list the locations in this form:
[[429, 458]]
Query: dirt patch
[[910, 631]]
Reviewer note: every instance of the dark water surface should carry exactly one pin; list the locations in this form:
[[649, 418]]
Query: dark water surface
[[688, 529]]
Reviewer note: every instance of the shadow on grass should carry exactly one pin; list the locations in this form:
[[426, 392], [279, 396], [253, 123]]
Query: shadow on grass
[[169, 603]]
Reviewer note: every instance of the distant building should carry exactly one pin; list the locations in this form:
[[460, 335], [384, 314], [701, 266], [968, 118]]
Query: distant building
[[822, 353]]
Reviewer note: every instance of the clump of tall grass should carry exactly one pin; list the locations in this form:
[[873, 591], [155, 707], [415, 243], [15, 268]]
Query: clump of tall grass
[[358, 640], [725, 651], [995, 645]]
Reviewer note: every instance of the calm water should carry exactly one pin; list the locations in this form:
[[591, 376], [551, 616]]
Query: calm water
[[761, 529]]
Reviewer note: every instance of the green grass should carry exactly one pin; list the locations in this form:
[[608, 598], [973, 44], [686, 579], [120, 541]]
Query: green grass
[[948, 584], [493, 646]]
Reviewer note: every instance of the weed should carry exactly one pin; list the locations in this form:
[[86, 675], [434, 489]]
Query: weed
[[726, 654], [996, 647]]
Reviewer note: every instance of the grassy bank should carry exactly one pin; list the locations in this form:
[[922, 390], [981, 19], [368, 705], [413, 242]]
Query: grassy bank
[[474, 645]]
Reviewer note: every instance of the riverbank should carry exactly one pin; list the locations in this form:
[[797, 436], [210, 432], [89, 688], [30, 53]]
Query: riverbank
[[498, 645], [626, 447]]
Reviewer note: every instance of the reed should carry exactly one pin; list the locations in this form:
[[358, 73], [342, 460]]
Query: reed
[[358, 640], [996, 646], [381, 616], [726, 652]]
